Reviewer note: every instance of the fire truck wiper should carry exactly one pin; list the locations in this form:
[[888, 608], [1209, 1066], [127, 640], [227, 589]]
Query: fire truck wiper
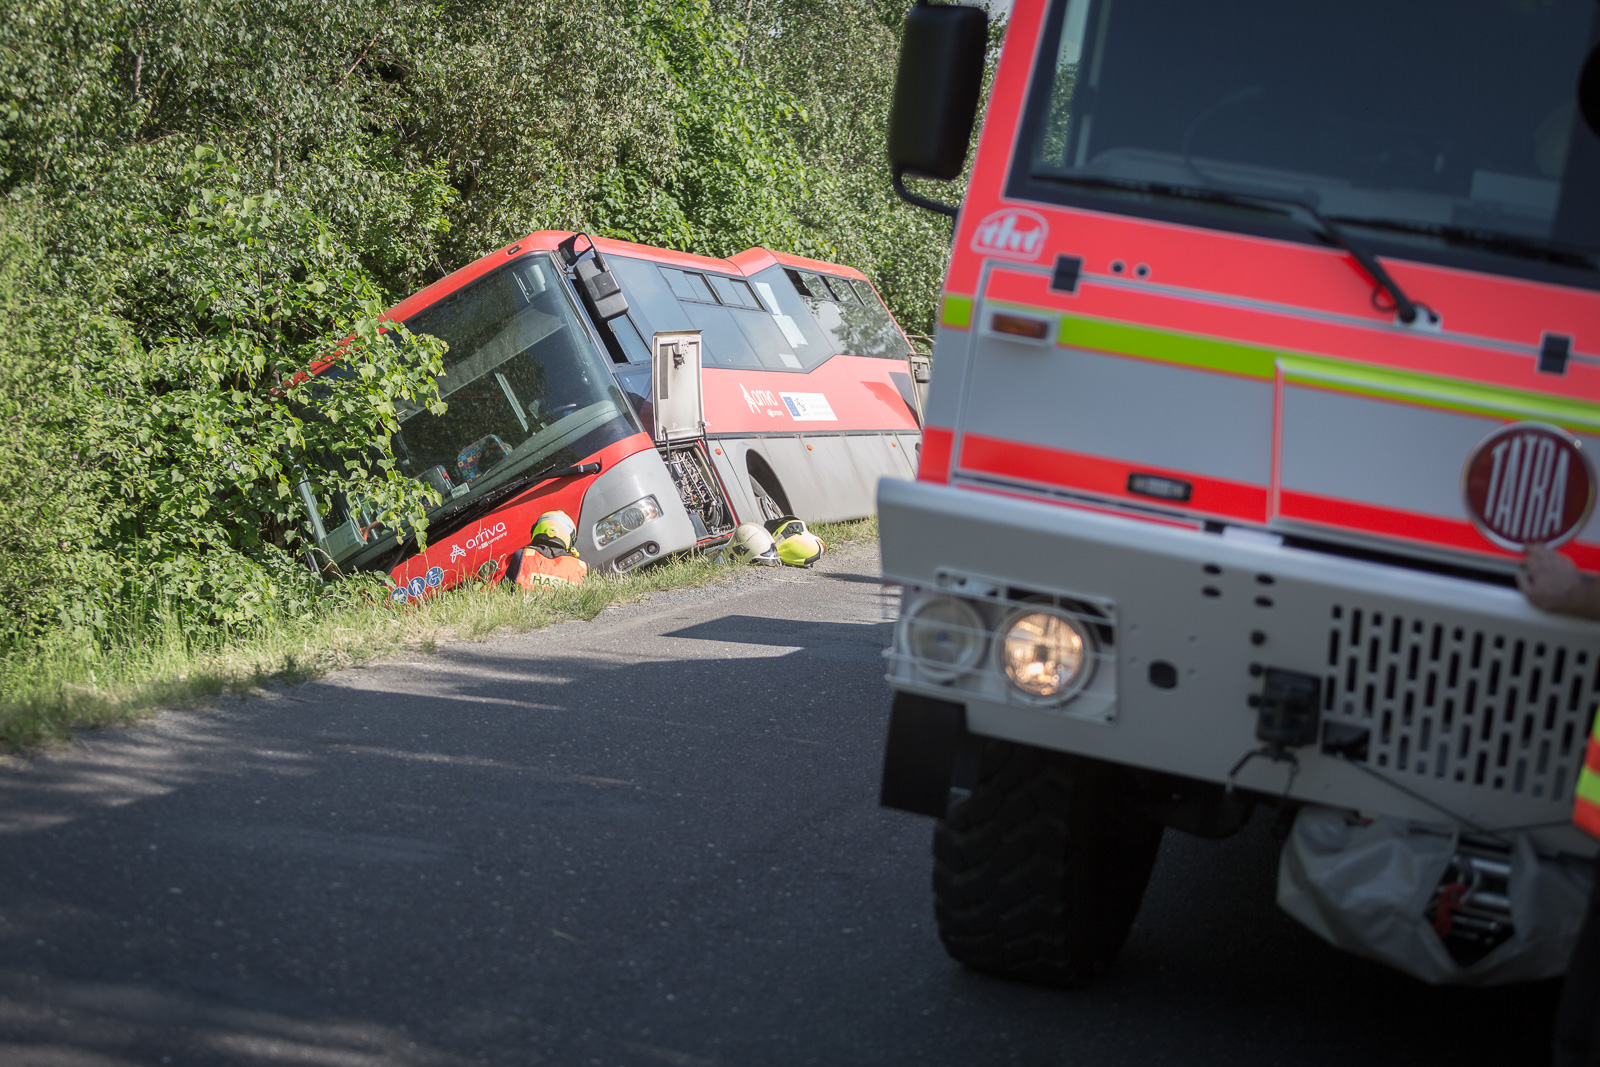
[[1527, 247], [451, 518], [1308, 216]]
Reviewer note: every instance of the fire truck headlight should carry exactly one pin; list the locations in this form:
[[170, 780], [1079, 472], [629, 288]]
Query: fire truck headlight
[[1047, 655], [943, 636], [624, 521]]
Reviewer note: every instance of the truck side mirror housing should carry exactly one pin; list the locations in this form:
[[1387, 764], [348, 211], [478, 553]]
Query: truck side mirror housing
[[936, 94], [1589, 91]]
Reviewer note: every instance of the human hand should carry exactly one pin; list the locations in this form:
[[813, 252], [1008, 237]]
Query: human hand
[[1551, 582]]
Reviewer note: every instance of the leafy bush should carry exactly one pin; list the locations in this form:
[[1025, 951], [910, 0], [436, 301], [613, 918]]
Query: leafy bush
[[199, 201]]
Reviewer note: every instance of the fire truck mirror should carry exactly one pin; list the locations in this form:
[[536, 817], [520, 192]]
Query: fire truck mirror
[[1589, 91], [936, 89]]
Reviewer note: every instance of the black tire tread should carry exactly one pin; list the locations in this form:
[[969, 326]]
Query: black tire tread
[[1038, 874]]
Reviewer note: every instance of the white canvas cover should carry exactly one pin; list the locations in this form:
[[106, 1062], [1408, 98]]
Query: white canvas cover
[[1365, 886]]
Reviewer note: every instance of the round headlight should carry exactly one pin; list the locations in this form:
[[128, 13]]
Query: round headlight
[[631, 518], [1047, 656], [943, 636]]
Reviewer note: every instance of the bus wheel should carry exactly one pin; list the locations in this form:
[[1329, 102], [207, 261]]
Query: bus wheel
[[770, 508], [1039, 872]]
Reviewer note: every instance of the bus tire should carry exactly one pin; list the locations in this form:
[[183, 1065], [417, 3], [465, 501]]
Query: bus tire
[[765, 500], [1038, 873]]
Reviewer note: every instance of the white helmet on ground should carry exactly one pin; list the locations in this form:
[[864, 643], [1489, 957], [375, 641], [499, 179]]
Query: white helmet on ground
[[752, 544]]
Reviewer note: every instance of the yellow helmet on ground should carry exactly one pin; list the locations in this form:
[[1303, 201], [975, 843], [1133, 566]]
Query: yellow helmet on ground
[[558, 531], [796, 545], [751, 544]]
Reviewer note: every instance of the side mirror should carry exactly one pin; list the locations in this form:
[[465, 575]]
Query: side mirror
[[600, 289], [936, 94], [1589, 91]]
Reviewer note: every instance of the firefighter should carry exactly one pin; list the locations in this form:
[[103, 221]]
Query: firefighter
[[551, 558], [1551, 582]]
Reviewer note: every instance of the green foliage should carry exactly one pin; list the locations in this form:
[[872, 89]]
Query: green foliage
[[200, 201], [47, 513]]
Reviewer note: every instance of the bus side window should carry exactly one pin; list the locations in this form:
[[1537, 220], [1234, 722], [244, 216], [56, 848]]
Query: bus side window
[[780, 289], [735, 293], [687, 285], [766, 339], [626, 331], [842, 291], [723, 344], [807, 284], [652, 305]]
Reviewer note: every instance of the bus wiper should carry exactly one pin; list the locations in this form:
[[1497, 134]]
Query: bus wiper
[[1309, 216], [451, 518], [1528, 247]]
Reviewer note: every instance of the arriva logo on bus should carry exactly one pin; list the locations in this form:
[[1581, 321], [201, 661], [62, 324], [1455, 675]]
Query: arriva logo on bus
[[1013, 233], [763, 401], [486, 535], [1528, 483]]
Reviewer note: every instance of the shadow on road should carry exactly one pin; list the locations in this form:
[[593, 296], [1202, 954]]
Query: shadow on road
[[580, 857]]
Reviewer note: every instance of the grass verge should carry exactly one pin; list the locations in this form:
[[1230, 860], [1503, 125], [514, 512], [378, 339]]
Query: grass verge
[[51, 690], [839, 534]]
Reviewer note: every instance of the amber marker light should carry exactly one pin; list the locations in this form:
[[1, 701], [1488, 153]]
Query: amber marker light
[[1019, 326]]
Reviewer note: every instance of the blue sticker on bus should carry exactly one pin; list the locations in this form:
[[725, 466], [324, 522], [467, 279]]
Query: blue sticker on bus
[[434, 576], [416, 586]]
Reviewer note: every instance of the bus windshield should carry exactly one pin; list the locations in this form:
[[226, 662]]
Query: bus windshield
[[523, 382], [1432, 120]]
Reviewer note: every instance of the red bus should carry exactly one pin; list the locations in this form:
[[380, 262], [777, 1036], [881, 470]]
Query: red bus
[[789, 390]]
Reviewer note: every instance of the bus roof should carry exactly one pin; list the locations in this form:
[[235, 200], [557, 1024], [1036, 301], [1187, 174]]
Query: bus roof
[[745, 263]]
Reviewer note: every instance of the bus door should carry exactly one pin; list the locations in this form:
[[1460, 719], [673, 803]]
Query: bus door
[[678, 423], [678, 411]]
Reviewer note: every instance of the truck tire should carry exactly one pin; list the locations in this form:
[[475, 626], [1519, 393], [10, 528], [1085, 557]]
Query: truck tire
[[1039, 872]]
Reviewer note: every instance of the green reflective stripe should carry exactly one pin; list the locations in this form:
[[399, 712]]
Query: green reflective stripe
[[1589, 787], [1254, 361], [956, 311], [1493, 401], [1191, 350]]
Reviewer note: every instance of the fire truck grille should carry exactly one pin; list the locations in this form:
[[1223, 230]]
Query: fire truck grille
[[1441, 701]]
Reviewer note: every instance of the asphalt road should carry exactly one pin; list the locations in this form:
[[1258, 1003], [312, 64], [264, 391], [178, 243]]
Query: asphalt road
[[651, 839]]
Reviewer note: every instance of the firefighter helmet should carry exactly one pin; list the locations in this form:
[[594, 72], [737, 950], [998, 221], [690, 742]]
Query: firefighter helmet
[[558, 530], [787, 526], [796, 545], [751, 544]]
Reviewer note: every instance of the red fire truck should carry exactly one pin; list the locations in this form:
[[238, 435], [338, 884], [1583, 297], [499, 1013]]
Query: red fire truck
[[658, 397], [1270, 341]]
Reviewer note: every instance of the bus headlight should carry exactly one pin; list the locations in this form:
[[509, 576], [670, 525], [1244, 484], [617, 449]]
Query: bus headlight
[[943, 636], [1047, 655], [624, 521]]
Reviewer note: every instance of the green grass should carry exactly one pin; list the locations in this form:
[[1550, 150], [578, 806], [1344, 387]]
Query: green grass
[[839, 534], [52, 690]]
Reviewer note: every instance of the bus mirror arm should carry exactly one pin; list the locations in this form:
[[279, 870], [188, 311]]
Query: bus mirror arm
[[570, 254]]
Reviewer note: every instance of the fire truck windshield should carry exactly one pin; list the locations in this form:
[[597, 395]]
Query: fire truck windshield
[[524, 384], [1401, 116]]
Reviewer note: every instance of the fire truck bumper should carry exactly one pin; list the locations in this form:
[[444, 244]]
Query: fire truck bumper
[[1282, 671]]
